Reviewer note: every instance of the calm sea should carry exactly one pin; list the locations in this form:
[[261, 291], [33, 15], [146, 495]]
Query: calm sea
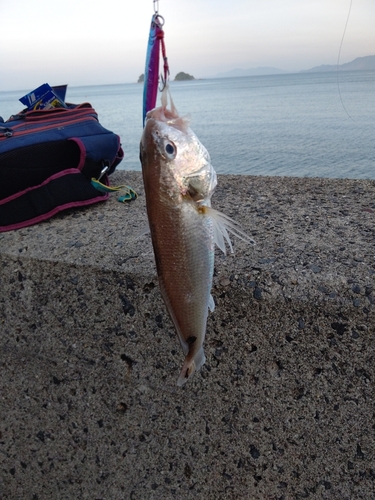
[[305, 124]]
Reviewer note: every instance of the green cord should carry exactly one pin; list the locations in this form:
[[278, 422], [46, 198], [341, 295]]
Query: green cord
[[129, 194]]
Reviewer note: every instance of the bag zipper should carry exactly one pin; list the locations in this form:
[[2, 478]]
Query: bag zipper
[[20, 129], [6, 132], [58, 113]]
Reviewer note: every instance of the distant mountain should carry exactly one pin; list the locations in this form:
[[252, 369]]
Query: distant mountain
[[358, 64], [261, 70]]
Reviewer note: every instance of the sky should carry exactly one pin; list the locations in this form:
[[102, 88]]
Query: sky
[[85, 42]]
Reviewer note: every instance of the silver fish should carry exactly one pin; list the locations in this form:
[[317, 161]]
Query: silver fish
[[179, 181]]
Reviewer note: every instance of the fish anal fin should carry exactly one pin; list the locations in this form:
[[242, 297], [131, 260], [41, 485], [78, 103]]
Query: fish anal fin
[[211, 304], [145, 230]]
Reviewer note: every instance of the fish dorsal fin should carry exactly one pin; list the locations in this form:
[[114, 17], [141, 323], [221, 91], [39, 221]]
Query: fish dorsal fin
[[171, 115], [165, 95]]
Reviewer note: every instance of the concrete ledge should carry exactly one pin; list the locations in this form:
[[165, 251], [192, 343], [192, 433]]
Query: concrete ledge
[[284, 407]]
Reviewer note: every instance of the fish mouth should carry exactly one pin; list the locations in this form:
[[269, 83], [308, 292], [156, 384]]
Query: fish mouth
[[202, 184]]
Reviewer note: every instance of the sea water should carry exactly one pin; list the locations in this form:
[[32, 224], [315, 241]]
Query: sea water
[[304, 124]]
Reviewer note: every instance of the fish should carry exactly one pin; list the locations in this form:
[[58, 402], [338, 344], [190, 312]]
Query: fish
[[179, 181]]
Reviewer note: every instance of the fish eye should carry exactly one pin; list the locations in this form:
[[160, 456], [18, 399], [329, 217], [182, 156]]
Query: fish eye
[[170, 150]]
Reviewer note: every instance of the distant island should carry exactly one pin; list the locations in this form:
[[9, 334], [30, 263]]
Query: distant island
[[358, 64], [183, 76]]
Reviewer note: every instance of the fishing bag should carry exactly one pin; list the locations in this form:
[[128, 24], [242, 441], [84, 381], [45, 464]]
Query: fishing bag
[[47, 161]]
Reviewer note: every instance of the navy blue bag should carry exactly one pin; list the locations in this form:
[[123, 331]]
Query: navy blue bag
[[47, 160]]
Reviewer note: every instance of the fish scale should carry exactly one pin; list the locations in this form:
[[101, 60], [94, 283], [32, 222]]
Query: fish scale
[[185, 268]]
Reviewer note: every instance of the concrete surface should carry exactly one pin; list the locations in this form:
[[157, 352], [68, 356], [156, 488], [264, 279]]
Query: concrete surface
[[284, 407]]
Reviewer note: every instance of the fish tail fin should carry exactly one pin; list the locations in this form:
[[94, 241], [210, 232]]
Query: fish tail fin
[[223, 225], [190, 366]]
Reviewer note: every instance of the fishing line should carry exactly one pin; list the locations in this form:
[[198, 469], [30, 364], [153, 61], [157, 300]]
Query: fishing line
[[338, 62]]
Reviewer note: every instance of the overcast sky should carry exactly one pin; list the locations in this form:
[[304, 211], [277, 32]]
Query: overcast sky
[[85, 42]]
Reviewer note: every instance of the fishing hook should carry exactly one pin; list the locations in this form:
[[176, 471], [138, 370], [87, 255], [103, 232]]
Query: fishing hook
[[158, 20], [163, 83], [164, 78]]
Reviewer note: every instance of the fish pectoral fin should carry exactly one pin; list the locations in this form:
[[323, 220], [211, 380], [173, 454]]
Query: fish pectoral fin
[[145, 230], [223, 225]]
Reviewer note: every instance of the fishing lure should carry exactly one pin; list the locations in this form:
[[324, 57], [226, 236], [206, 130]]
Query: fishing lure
[[151, 78]]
